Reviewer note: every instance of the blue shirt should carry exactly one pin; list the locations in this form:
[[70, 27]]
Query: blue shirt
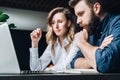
[[107, 59]]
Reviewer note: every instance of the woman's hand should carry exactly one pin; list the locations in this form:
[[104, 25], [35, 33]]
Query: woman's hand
[[35, 37]]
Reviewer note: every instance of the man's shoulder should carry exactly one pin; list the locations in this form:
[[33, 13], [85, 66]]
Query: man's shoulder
[[115, 17]]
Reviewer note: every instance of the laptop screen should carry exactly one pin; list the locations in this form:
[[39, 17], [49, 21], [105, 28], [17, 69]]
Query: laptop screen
[[8, 58]]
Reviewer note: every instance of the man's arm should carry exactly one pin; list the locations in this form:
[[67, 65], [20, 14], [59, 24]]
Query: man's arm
[[81, 63], [87, 50]]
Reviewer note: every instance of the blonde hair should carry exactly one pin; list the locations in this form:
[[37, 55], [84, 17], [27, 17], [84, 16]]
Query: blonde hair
[[51, 36]]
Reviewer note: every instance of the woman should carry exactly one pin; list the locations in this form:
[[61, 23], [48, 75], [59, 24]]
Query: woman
[[59, 38]]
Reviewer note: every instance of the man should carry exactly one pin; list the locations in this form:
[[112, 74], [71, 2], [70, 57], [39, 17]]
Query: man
[[99, 41]]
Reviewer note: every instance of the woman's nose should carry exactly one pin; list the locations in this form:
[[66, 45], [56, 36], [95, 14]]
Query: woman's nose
[[56, 25]]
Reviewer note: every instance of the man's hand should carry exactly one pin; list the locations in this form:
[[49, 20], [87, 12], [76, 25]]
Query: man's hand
[[81, 36], [107, 40]]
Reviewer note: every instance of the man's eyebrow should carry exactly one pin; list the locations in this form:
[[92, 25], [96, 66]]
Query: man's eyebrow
[[80, 12]]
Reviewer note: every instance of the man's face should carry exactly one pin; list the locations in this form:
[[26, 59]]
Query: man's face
[[86, 17]]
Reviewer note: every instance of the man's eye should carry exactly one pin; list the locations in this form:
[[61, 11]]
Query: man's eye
[[80, 13]]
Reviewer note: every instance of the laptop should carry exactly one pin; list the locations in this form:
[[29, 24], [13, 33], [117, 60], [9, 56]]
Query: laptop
[[8, 58]]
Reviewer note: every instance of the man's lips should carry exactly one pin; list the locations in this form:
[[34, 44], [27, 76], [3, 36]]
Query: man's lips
[[84, 27]]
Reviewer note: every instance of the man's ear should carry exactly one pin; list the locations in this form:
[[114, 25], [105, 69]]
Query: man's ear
[[97, 8]]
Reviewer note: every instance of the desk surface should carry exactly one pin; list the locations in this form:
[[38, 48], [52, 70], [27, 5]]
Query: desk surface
[[59, 76]]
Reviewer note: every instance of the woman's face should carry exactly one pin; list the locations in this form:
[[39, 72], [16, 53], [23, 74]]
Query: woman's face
[[59, 24]]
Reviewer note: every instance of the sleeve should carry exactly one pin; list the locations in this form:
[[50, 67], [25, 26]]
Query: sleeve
[[73, 51], [78, 55], [36, 63], [107, 59], [33, 58]]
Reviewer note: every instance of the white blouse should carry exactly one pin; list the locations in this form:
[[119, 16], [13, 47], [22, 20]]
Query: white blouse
[[61, 59]]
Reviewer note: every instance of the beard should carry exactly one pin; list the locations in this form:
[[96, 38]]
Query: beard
[[92, 26]]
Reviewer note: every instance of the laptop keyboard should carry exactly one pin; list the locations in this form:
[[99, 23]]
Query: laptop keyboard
[[36, 72]]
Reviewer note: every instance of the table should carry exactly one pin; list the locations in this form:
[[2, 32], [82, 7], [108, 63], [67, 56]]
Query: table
[[59, 76]]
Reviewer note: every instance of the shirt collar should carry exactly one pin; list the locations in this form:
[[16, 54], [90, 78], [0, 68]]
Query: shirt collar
[[65, 42], [105, 22], [101, 28]]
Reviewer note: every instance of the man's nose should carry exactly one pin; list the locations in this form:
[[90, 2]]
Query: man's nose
[[79, 21]]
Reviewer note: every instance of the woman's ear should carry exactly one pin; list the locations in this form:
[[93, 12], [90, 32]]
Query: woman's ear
[[97, 8], [69, 23]]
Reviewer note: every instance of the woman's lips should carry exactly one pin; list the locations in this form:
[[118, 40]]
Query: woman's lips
[[57, 30]]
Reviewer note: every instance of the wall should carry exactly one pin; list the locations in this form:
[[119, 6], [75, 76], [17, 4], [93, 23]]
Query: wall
[[26, 19]]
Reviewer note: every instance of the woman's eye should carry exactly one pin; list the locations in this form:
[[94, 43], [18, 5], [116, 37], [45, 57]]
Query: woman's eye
[[59, 21], [52, 22]]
